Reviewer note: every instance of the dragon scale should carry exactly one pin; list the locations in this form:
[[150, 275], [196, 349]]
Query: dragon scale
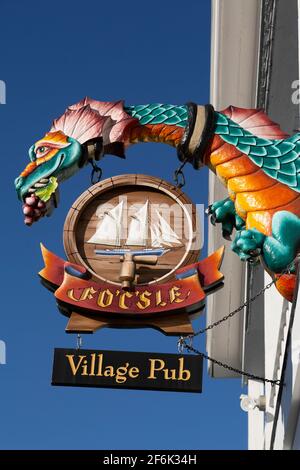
[[256, 161]]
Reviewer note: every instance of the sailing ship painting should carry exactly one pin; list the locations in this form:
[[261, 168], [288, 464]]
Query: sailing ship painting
[[147, 238]]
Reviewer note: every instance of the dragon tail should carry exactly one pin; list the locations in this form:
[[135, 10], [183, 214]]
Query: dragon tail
[[286, 284]]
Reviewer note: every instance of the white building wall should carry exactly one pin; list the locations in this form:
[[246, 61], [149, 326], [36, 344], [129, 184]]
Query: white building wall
[[283, 403], [255, 418], [234, 67], [297, 437], [235, 48], [281, 352], [277, 314]]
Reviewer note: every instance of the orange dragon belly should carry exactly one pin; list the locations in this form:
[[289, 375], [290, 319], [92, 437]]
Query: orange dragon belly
[[257, 196]]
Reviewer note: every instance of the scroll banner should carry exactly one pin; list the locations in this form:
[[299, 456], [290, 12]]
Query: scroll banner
[[187, 292]]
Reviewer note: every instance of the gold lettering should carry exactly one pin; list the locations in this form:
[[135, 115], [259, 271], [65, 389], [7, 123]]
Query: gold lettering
[[121, 373], [74, 368], [154, 368], [87, 294], [169, 376], [105, 298], [134, 372], [93, 361], [100, 363], [122, 300], [144, 298], [109, 371], [159, 302], [174, 295], [183, 374], [84, 368]]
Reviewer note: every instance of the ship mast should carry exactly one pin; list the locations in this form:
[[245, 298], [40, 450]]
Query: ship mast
[[138, 229]]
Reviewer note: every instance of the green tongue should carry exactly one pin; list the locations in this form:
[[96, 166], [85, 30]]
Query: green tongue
[[45, 193]]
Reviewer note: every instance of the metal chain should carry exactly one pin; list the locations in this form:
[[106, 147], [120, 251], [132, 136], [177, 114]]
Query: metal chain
[[183, 345], [79, 341], [234, 312], [242, 306], [179, 177], [96, 173], [226, 366]]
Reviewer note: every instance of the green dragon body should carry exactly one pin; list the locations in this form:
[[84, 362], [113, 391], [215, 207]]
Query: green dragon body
[[256, 161]]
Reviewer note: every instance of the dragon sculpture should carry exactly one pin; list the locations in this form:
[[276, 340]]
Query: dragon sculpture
[[257, 162]]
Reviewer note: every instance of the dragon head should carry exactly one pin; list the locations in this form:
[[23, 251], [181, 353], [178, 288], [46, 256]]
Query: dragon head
[[52, 159], [85, 132]]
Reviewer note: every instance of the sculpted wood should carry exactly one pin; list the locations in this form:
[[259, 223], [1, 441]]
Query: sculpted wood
[[134, 190], [132, 244], [255, 160]]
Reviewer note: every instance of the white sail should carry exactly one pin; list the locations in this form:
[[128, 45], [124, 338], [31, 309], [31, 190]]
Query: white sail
[[155, 236], [162, 234], [138, 229], [109, 229]]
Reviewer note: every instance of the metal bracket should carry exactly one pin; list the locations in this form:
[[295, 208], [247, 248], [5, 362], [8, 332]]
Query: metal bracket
[[179, 177]]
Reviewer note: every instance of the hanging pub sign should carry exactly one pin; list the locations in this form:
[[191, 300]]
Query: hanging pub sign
[[131, 241], [132, 246], [123, 369]]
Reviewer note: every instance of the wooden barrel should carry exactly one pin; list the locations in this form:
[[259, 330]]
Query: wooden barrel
[[172, 225]]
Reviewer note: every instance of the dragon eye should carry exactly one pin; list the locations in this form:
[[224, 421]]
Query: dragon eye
[[40, 151]]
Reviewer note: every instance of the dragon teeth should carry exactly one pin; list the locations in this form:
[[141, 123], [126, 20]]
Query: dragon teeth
[[41, 183], [31, 190]]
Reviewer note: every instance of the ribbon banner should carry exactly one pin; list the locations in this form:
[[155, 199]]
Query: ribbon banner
[[74, 289]]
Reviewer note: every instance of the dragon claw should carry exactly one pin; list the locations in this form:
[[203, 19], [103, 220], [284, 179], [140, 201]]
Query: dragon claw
[[255, 253], [213, 219], [226, 235], [208, 210], [248, 244], [223, 212]]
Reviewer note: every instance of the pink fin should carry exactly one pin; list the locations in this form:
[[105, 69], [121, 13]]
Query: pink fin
[[255, 121], [81, 123], [89, 119]]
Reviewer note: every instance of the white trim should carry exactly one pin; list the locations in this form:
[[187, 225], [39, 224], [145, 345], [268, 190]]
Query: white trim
[[255, 418], [235, 37]]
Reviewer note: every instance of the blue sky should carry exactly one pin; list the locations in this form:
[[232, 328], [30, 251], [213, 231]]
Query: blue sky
[[51, 56]]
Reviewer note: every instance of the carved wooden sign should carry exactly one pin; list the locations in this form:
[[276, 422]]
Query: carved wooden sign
[[132, 248]]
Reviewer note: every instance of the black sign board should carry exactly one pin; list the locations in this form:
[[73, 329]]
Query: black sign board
[[123, 369]]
